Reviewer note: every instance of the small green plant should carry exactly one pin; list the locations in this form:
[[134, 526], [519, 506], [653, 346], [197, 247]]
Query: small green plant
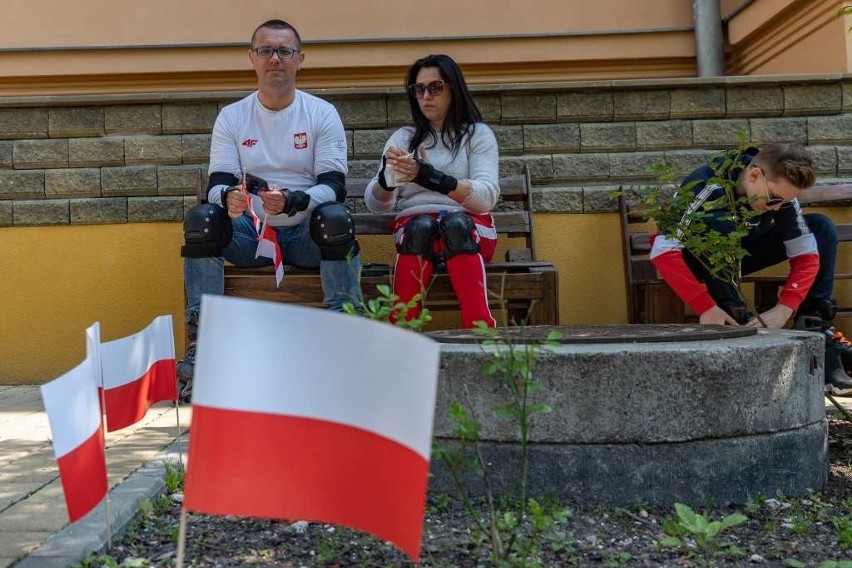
[[92, 560], [174, 475], [687, 522], [835, 564], [514, 527], [843, 531], [386, 307]]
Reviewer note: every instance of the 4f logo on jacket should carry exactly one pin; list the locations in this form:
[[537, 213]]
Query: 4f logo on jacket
[[300, 140], [249, 142]]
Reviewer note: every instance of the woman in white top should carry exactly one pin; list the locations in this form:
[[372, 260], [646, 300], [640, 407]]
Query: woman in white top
[[441, 174]]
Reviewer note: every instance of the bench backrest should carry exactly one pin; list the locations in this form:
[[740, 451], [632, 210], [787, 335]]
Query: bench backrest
[[514, 219]]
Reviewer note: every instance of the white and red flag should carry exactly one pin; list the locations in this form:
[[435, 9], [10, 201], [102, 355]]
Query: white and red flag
[[308, 414], [137, 371], [74, 414], [267, 239]]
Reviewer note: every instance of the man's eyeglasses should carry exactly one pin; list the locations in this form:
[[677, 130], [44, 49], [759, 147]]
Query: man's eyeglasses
[[284, 52], [434, 88]]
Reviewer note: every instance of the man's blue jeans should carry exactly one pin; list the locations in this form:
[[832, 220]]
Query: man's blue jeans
[[207, 275]]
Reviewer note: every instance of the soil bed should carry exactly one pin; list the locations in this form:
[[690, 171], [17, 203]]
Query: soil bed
[[811, 531]]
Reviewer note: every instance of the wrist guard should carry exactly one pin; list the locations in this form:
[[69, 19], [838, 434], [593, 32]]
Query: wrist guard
[[296, 201], [434, 179], [383, 180]]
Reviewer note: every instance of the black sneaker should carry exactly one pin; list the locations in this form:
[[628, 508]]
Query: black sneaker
[[837, 382], [185, 372], [836, 337]]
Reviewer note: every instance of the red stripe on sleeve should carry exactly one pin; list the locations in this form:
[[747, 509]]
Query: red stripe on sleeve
[[803, 271], [672, 267]]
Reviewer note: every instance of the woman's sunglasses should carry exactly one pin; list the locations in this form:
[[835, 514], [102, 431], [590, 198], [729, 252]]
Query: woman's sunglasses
[[435, 88]]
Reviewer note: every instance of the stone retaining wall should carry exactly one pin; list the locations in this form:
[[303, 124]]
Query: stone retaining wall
[[137, 158]]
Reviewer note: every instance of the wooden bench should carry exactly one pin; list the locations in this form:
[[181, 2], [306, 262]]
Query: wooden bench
[[649, 298], [521, 289]]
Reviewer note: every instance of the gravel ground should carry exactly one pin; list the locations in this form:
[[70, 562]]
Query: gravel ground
[[811, 531]]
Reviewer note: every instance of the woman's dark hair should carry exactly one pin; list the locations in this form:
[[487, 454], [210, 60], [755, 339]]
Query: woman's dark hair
[[462, 115]]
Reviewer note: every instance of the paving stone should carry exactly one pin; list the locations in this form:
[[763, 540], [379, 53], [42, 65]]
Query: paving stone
[[510, 139], [189, 118], [685, 161], [100, 210], [584, 106], [195, 148], [23, 123], [5, 153], [107, 151], [350, 144], [541, 167], [41, 212], [490, 106], [370, 143], [603, 137], [755, 101], [825, 159], [152, 150], [179, 180], [581, 167], [634, 164], [768, 130], [76, 182], [30, 154], [557, 199], [22, 184], [14, 544], [641, 105], [697, 103], [127, 181], [69, 122], [369, 112], [133, 119], [43, 511], [600, 199], [5, 213], [551, 138], [661, 135], [141, 209], [528, 109], [718, 133], [830, 129], [813, 99]]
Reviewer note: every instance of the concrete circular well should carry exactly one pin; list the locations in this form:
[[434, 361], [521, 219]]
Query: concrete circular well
[[700, 417]]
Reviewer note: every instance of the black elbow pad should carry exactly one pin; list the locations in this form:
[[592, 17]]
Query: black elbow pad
[[336, 181]]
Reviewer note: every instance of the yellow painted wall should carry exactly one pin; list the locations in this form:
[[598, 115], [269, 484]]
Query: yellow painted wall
[[56, 281]]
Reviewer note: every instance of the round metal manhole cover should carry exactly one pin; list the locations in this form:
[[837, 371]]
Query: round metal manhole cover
[[616, 333]]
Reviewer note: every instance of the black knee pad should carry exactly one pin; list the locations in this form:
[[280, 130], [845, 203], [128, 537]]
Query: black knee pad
[[458, 229], [418, 237], [333, 230], [206, 231]]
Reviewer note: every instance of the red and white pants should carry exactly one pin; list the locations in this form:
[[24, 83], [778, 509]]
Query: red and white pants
[[413, 274]]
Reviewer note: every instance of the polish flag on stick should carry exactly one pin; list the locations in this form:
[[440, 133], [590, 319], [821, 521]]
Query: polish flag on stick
[[320, 417], [137, 371], [267, 240], [73, 411]]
